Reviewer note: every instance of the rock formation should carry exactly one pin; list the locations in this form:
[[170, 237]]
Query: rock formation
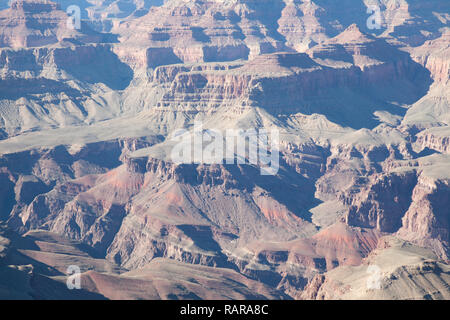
[[88, 119]]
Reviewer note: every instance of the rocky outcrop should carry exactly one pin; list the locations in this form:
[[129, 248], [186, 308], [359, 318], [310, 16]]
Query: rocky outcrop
[[435, 56], [383, 204], [200, 32], [437, 139], [402, 277], [426, 222]]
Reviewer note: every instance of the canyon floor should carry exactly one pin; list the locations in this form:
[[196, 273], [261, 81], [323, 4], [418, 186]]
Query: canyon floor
[[357, 208]]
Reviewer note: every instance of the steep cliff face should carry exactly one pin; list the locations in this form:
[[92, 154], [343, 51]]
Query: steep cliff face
[[383, 204], [300, 80], [198, 31], [426, 221], [435, 56], [300, 24]]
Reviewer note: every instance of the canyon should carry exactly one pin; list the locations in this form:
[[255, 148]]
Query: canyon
[[87, 124]]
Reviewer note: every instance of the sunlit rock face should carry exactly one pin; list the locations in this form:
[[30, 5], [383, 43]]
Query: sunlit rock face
[[88, 123]]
